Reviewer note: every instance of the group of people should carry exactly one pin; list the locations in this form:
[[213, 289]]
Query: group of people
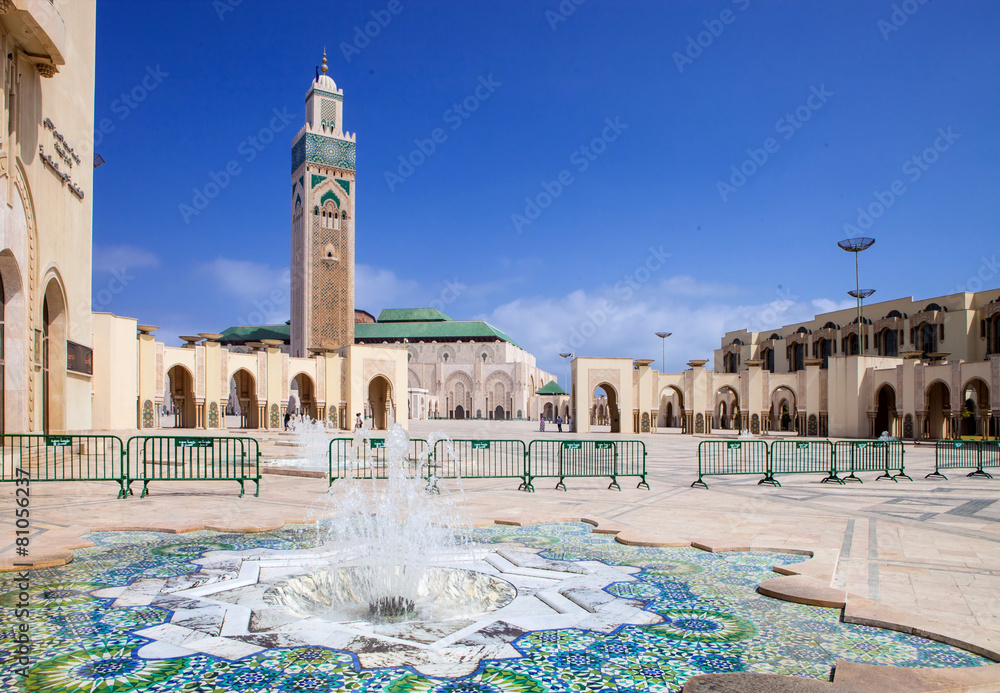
[[559, 422]]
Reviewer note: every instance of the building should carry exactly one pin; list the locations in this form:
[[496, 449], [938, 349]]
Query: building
[[322, 204], [926, 369], [47, 361]]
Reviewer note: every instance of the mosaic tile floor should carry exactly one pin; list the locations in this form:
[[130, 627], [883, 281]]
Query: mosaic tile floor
[[714, 621]]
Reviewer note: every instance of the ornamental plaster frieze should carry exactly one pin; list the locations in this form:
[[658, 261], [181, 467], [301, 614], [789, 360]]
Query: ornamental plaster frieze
[[918, 386], [935, 317], [373, 367], [224, 374], [199, 362], [321, 379], [991, 309], [995, 382], [607, 375], [158, 349], [261, 376], [889, 324]]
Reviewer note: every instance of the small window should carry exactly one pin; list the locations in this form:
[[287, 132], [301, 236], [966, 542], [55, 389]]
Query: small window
[[942, 333]]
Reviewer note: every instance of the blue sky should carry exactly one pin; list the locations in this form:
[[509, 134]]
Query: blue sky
[[590, 195]]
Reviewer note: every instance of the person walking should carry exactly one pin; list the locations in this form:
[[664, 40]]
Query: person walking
[[288, 417], [541, 423], [358, 421], [559, 423]]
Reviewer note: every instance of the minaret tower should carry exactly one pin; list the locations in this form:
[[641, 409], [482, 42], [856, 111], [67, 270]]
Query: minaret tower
[[323, 196]]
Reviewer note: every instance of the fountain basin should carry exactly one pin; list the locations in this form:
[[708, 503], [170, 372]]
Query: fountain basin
[[443, 594]]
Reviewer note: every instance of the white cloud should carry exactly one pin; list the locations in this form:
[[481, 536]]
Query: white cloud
[[122, 258], [603, 322], [376, 288], [827, 305], [245, 280]]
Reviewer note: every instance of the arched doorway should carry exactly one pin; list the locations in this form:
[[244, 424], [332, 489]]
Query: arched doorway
[[547, 411], [938, 411], [243, 391], [885, 411], [498, 413], [727, 407], [671, 407], [181, 389], [784, 413], [459, 411], [975, 407], [54, 334], [303, 386], [613, 414], [380, 402]]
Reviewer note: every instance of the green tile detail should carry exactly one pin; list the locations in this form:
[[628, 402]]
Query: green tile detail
[[316, 180], [330, 195], [345, 184]]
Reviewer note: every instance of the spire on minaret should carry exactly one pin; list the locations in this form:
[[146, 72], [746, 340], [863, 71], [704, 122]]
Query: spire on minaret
[[324, 68]]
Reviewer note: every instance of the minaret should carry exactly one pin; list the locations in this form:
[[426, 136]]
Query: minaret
[[323, 197]]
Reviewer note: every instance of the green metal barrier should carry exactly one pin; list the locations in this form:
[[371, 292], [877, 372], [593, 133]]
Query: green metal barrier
[[479, 459], [369, 463], [965, 454], [631, 460], [564, 459], [724, 457], [804, 457], [883, 456], [193, 458], [64, 458]]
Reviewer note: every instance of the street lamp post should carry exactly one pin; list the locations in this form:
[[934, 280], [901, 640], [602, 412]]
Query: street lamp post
[[856, 245], [566, 366], [663, 351], [861, 295]]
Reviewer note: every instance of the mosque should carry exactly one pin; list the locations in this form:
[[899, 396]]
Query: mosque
[[915, 369]]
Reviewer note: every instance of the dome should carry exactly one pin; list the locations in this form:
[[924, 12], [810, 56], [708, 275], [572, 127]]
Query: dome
[[325, 82]]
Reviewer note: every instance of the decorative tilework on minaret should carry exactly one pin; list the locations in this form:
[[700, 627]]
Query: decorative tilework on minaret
[[323, 194]]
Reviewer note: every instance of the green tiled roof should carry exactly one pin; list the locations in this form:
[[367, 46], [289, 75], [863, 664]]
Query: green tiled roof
[[255, 333], [425, 331], [551, 388], [412, 315], [397, 331]]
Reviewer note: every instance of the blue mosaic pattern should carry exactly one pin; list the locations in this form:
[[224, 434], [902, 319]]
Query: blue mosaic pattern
[[714, 621], [326, 151]]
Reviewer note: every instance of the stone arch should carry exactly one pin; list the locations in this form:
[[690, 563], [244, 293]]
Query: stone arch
[[243, 393], [976, 408], [446, 353], [727, 407], [613, 411], [784, 409], [54, 321], [937, 404], [499, 387], [670, 412], [412, 379], [884, 407], [379, 400], [181, 389], [305, 386], [459, 389]]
